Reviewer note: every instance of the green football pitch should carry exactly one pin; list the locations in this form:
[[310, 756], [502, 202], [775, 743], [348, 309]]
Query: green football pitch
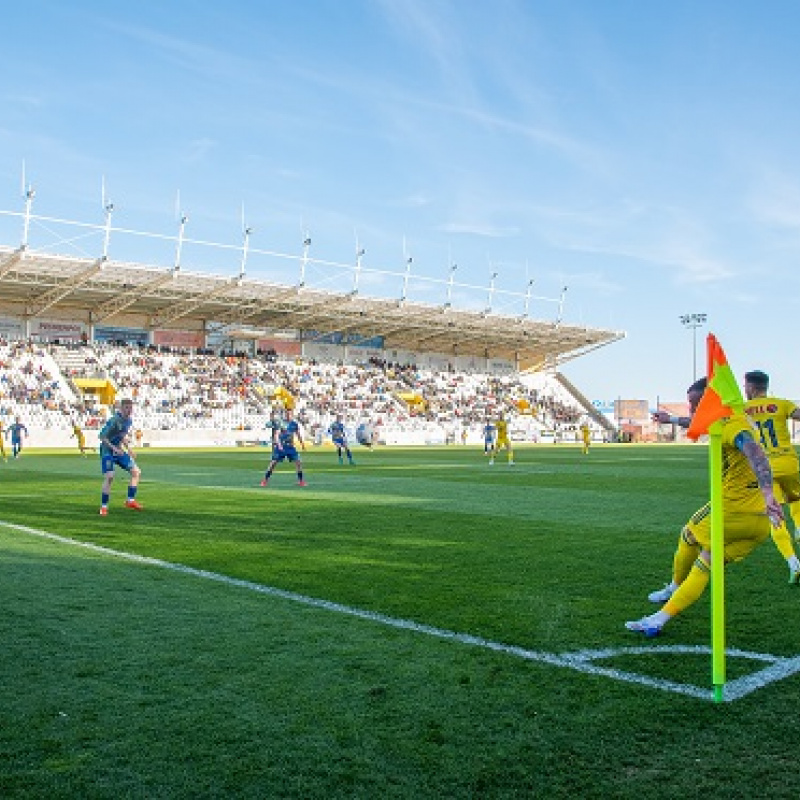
[[419, 625]]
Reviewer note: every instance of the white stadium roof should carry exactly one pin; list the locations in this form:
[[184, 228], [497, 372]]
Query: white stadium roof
[[101, 291], [33, 285]]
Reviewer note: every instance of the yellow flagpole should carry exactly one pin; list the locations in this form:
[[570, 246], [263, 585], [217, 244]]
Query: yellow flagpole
[[717, 562]]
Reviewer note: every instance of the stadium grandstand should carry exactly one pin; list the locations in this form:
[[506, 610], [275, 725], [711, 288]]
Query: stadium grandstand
[[208, 358]]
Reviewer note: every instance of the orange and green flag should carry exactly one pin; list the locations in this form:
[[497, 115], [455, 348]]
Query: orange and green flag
[[722, 396]]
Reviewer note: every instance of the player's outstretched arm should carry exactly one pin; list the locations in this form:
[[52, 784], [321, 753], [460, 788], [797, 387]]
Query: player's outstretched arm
[[761, 469]]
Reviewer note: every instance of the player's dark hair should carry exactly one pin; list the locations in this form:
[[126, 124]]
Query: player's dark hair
[[698, 386], [757, 378]]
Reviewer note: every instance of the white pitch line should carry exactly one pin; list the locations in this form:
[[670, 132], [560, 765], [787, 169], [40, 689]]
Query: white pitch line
[[582, 661]]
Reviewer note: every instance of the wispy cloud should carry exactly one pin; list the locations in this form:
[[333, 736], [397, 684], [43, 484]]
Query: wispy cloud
[[188, 55], [479, 229], [198, 149], [775, 201]]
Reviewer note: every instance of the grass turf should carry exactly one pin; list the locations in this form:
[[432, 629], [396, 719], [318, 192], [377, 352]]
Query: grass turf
[[130, 680]]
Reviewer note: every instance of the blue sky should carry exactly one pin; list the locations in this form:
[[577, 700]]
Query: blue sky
[[645, 155]]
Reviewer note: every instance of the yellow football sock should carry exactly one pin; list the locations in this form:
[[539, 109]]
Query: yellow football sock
[[783, 540], [688, 592], [684, 558], [792, 517]]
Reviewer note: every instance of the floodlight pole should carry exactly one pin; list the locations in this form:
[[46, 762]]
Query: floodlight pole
[[491, 293], [304, 262], [245, 247], [360, 253], [179, 248], [528, 298], [453, 268], [29, 195], [561, 306], [409, 260], [109, 210], [694, 321]]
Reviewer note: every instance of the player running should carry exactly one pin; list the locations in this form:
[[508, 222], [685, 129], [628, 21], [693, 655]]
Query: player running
[[339, 439], [586, 437], [489, 432], [284, 435], [77, 433], [18, 432], [115, 450], [503, 442]]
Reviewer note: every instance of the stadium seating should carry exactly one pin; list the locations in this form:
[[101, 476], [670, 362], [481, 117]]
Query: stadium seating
[[183, 391]]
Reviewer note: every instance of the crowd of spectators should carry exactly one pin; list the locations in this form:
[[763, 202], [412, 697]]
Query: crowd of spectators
[[182, 389]]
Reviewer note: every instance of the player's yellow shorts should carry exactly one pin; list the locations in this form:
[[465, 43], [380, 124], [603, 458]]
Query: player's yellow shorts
[[786, 477], [503, 441], [742, 532]]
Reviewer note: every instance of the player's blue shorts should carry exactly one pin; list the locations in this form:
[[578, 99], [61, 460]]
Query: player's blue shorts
[[339, 441], [288, 453], [108, 460]]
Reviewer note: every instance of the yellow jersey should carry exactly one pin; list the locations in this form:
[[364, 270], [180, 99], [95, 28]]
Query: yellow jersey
[[770, 417], [502, 430], [740, 492]]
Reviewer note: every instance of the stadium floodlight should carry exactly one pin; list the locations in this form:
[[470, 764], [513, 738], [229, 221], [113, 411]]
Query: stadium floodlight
[[28, 193], [528, 298], [108, 207], [360, 253], [409, 260], [246, 232], [453, 268], [561, 300], [491, 293], [183, 219], [694, 321], [304, 262]]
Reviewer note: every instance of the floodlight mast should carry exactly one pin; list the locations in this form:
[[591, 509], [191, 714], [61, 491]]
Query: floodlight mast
[[451, 280], [246, 231], [528, 292], [184, 218], [108, 208], [360, 253], [409, 260], [694, 321], [491, 293], [28, 194], [304, 262], [561, 300]]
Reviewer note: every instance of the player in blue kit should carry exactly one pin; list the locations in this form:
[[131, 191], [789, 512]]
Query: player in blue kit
[[284, 435], [339, 439], [116, 451], [489, 432], [16, 431]]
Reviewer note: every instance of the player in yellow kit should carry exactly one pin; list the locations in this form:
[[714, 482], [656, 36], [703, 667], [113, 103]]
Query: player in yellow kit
[[77, 433], [750, 509], [586, 438], [770, 416], [502, 442], [2, 441]]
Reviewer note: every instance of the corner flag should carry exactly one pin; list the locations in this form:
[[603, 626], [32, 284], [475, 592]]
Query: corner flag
[[722, 396]]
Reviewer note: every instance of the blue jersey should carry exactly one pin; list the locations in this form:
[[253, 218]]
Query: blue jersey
[[488, 433], [286, 432], [337, 431], [115, 430], [15, 430]]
